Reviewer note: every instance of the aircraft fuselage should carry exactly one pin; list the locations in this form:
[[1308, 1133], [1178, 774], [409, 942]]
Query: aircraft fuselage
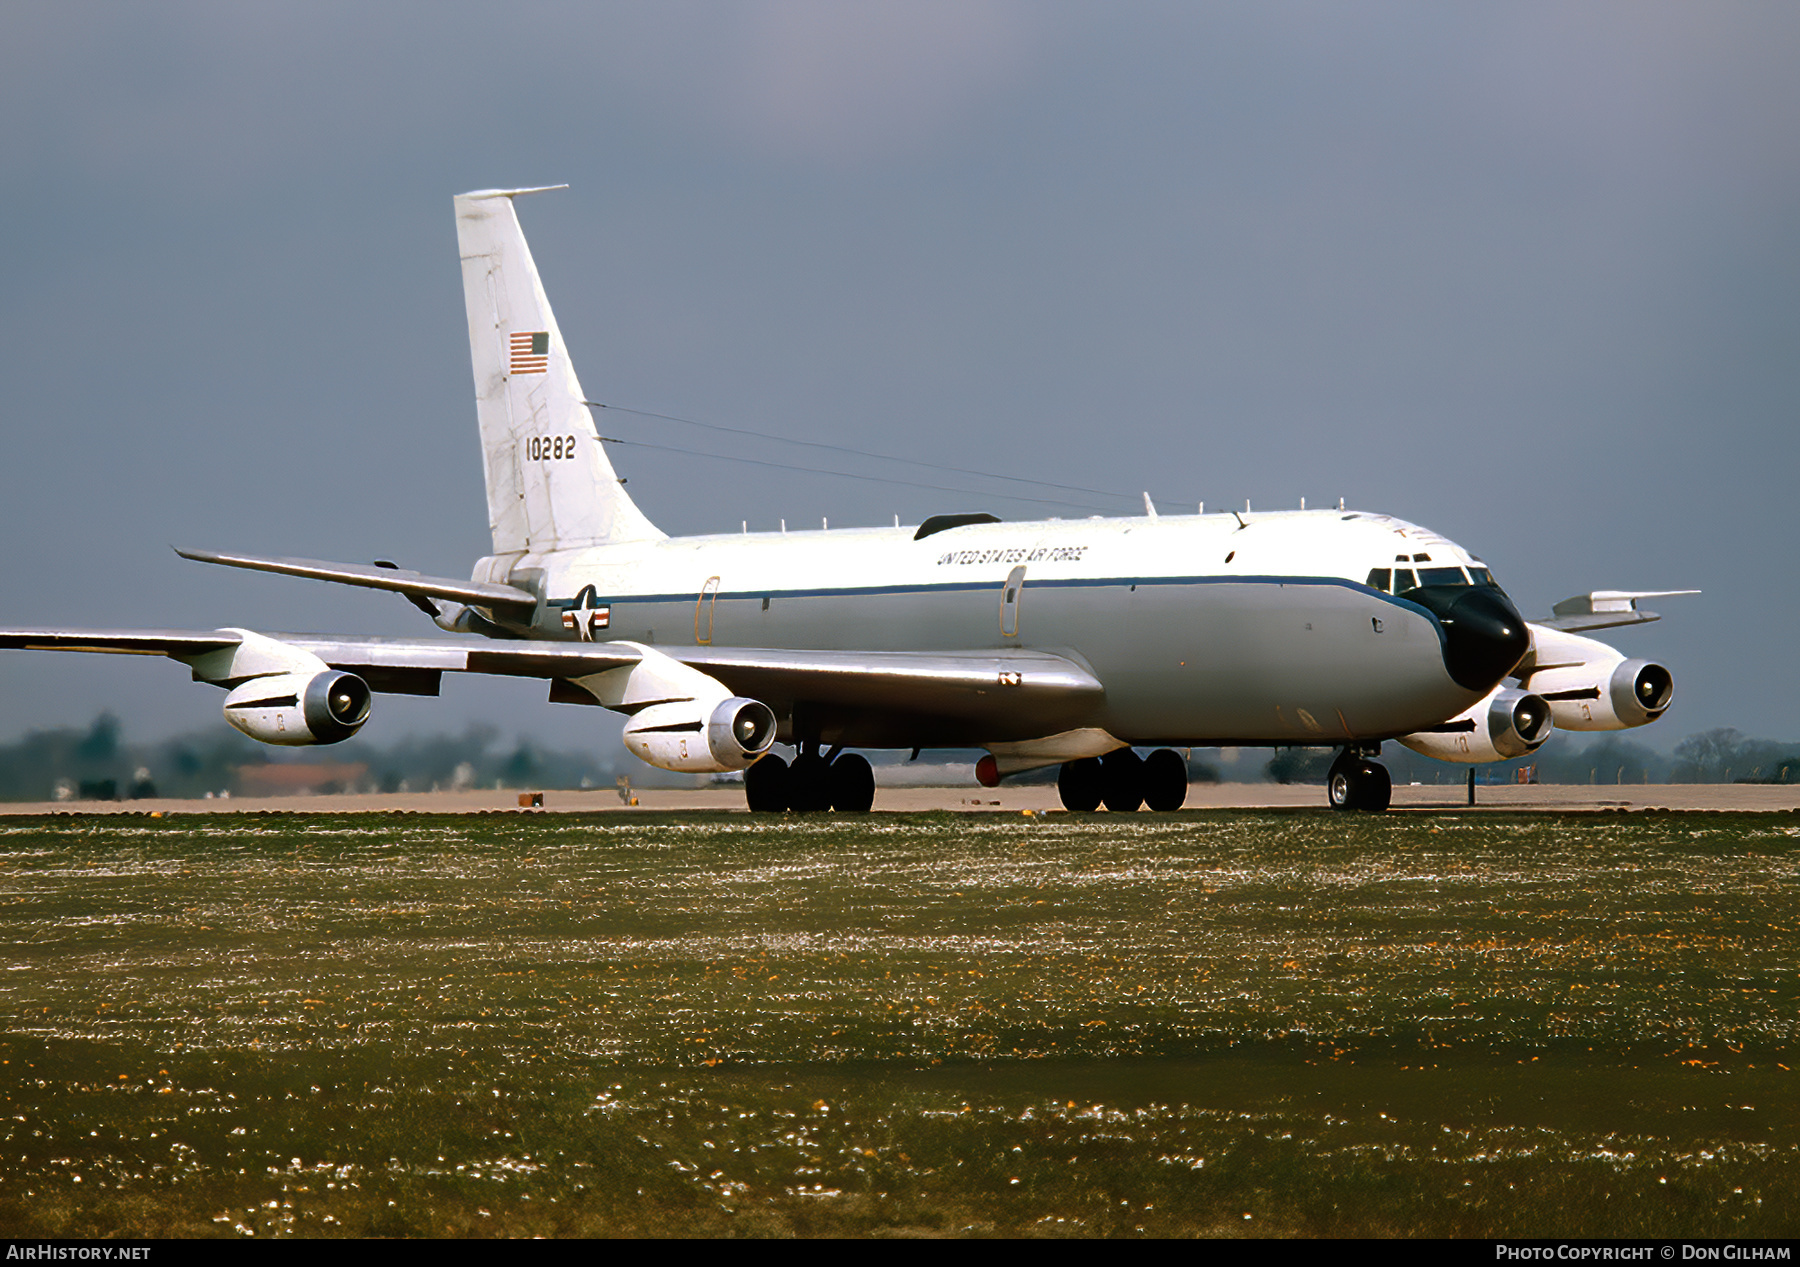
[[1203, 629]]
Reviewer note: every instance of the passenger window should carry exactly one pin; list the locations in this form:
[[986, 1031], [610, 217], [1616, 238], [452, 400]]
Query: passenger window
[[1443, 576], [1403, 580], [1380, 579]]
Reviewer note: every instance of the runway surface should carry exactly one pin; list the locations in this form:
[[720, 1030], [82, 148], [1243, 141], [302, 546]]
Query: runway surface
[[1038, 798], [1505, 1023]]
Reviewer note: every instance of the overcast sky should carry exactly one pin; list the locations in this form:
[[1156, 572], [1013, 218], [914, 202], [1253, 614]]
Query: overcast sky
[[1528, 274]]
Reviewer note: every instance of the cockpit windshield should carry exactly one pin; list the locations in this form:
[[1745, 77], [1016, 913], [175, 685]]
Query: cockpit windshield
[[1400, 580]]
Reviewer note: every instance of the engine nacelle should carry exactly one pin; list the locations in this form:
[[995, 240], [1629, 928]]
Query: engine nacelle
[[701, 736], [1614, 694], [1508, 723], [1591, 686], [296, 709]]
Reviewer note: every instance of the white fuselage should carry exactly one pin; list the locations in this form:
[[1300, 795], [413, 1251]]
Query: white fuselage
[[1203, 629]]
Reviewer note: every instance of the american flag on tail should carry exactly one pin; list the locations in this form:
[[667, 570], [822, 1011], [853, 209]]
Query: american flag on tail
[[530, 352]]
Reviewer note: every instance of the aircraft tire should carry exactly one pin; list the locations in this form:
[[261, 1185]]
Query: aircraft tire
[[1165, 780], [1340, 787], [1355, 784], [766, 785], [1124, 787], [1080, 783], [852, 784], [1378, 788], [809, 784]]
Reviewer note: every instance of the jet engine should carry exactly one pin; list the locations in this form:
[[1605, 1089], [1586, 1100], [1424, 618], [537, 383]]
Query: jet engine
[[1590, 686], [1508, 723], [698, 736], [296, 709], [680, 718]]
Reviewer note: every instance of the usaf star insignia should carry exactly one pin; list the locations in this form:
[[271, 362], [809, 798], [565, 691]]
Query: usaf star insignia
[[588, 615]]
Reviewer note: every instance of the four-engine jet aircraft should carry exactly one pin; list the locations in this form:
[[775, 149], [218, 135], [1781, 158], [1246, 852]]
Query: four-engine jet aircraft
[[1054, 643]]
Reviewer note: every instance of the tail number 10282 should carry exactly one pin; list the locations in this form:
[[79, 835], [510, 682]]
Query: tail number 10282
[[549, 448]]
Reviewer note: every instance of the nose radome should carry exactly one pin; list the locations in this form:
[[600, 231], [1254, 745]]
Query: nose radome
[[1484, 635]]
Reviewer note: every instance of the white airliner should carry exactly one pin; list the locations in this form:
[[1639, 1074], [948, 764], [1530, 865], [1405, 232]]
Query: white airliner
[[1064, 643]]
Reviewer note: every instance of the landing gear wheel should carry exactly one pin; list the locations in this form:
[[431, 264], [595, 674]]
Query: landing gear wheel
[[1378, 790], [1340, 788], [766, 785], [809, 784], [1357, 784], [1079, 783], [852, 783], [1124, 786], [1165, 781]]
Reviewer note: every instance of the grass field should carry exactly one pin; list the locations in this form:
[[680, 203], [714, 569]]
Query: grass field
[[1219, 1024]]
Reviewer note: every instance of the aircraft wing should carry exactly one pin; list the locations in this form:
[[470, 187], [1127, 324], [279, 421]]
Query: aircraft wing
[[170, 642], [1019, 682], [908, 681]]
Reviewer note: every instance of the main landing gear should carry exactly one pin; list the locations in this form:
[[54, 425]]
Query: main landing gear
[[811, 785], [1123, 781], [1356, 783]]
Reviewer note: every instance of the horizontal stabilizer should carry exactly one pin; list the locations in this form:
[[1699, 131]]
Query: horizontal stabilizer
[[368, 576], [1605, 609]]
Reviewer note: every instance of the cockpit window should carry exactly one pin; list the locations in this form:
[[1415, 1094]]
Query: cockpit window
[[1400, 580]]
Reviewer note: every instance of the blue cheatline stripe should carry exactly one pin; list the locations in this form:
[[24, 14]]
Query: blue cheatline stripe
[[870, 591]]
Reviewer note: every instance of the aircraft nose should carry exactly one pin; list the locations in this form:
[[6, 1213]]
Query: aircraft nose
[[1484, 635]]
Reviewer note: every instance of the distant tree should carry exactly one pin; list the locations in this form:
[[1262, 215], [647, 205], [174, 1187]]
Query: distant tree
[[1765, 761], [101, 743], [1612, 758], [521, 767], [1709, 756], [1299, 765]]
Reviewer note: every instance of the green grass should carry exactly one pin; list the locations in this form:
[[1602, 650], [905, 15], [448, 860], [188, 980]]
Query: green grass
[[1238, 1024]]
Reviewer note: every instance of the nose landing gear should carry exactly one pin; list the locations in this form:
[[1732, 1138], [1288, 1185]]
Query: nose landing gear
[[1356, 783]]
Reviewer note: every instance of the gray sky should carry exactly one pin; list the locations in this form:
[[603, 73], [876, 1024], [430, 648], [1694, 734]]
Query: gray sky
[[1527, 274]]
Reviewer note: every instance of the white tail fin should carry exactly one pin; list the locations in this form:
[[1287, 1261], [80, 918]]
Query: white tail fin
[[549, 485]]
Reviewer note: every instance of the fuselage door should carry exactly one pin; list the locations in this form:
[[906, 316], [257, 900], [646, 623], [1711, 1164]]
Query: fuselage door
[[703, 611], [1009, 603]]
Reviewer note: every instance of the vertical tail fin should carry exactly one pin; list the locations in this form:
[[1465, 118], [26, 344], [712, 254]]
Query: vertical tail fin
[[549, 484]]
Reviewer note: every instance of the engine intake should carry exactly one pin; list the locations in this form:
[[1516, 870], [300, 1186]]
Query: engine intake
[[298, 709]]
